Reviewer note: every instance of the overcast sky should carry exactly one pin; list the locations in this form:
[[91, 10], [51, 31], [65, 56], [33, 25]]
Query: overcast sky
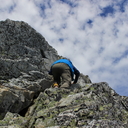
[[92, 33]]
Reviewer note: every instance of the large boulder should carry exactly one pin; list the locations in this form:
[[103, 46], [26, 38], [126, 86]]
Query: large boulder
[[14, 99]]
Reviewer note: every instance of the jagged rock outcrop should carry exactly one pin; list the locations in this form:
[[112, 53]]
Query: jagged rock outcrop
[[25, 58], [26, 99], [93, 105]]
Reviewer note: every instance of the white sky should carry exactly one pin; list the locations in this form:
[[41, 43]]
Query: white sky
[[92, 33]]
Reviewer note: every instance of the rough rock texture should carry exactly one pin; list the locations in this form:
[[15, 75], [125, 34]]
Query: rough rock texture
[[93, 105], [27, 99], [25, 58]]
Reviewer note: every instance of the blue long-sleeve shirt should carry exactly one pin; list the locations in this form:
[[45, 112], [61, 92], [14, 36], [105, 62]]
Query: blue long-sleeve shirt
[[73, 69]]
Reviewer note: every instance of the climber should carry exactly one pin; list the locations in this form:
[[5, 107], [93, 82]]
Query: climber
[[63, 72]]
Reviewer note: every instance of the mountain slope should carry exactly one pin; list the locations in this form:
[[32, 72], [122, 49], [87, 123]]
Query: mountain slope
[[27, 99]]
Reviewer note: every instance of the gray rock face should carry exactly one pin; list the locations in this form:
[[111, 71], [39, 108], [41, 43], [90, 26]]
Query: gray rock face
[[27, 99], [25, 58], [94, 105], [22, 49]]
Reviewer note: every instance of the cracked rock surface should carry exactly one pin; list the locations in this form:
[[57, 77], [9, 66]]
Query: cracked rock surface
[[27, 99], [25, 58]]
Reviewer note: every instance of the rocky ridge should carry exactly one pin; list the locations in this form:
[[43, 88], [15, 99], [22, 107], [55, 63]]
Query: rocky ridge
[[27, 99]]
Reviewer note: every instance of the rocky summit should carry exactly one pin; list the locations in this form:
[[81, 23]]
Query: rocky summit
[[27, 99]]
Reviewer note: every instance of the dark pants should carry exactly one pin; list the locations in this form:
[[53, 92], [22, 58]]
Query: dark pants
[[62, 74]]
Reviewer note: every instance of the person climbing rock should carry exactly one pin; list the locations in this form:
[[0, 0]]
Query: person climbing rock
[[63, 73]]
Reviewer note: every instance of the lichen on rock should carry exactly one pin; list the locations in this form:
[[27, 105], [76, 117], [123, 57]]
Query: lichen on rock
[[27, 99]]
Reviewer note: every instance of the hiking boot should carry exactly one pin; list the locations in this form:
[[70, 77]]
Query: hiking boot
[[55, 85]]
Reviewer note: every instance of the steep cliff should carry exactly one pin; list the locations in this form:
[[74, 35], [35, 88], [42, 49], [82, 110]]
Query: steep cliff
[[25, 58], [27, 99]]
